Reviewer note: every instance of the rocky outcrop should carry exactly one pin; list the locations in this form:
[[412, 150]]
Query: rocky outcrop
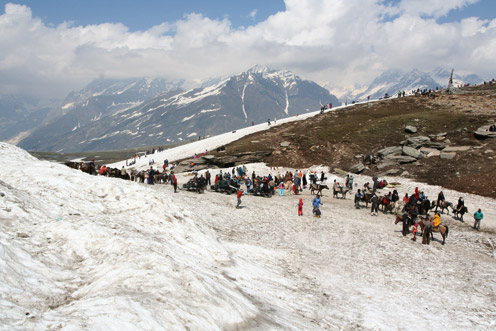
[[410, 151], [484, 133], [410, 129], [357, 168], [389, 150]]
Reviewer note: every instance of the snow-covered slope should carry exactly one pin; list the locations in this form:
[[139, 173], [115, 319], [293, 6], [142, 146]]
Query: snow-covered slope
[[91, 252]]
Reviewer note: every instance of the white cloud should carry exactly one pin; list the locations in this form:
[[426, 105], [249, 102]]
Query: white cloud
[[253, 14], [336, 41]]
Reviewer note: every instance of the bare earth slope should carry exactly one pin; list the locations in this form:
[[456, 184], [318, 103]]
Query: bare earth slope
[[339, 138]]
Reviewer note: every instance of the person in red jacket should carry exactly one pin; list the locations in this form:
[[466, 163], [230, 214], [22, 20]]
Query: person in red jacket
[[174, 182], [300, 207], [240, 193]]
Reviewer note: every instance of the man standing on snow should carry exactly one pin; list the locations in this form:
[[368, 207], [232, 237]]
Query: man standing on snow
[[478, 216], [239, 195], [358, 196]]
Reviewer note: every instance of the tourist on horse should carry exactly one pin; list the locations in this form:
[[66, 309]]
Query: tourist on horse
[[406, 198], [358, 196], [440, 199], [460, 204], [395, 197], [478, 216], [436, 220]]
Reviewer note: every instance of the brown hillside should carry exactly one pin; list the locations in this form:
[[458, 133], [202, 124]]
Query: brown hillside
[[340, 138]]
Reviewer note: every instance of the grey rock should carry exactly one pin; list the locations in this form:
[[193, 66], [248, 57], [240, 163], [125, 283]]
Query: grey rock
[[385, 164], [410, 129], [447, 156], [488, 151], [417, 142], [401, 159], [405, 174], [435, 145], [456, 149], [357, 168], [285, 144], [483, 133], [389, 150], [410, 151]]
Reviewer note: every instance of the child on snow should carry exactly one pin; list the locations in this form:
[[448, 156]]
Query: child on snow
[[300, 207]]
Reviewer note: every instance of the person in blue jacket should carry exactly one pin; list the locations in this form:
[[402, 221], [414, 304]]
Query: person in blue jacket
[[478, 216], [316, 205]]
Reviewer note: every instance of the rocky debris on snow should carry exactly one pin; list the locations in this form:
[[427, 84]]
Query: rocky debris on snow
[[410, 129], [483, 132], [447, 156], [357, 168]]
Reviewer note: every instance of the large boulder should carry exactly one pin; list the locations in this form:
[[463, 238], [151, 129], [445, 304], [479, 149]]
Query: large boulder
[[483, 132], [389, 150], [410, 129], [418, 141], [357, 168], [410, 151]]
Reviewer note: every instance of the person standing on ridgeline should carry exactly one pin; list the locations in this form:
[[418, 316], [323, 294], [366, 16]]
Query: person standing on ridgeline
[[478, 216], [300, 207]]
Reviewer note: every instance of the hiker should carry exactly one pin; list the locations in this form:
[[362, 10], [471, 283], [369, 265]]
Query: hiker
[[239, 195], [478, 216], [300, 207]]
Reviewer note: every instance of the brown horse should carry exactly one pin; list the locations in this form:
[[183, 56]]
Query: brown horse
[[442, 229], [443, 204], [318, 188]]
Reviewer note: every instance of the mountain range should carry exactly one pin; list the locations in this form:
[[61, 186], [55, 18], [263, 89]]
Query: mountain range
[[94, 120], [394, 80], [122, 113]]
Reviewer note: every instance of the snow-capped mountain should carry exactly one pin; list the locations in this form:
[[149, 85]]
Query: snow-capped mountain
[[19, 114], [252, 96], [394, 80], [99, 99]]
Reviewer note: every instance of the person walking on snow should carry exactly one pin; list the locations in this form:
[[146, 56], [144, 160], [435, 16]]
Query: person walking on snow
[[478, 216], [300, 207], [174, 182], [316, 204], [281, 189], [239, 195]]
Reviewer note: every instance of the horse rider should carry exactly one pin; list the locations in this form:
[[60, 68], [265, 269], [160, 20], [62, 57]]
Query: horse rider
[[460, 204], [395, 196], [478, 216], [440, 199], [436, 221]]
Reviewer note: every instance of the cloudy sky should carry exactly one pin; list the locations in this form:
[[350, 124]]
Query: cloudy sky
[[51, 47]]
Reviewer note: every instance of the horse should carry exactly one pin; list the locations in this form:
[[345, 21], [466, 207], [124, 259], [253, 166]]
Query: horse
[[406, 221], [318, 188], [366, 198], [424, 206], [397, 207], [385, 202], [442, 229], [342, 190], [459, 213], [443, 204]]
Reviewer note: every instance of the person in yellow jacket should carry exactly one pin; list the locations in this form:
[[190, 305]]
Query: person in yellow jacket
[[436, 221]]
